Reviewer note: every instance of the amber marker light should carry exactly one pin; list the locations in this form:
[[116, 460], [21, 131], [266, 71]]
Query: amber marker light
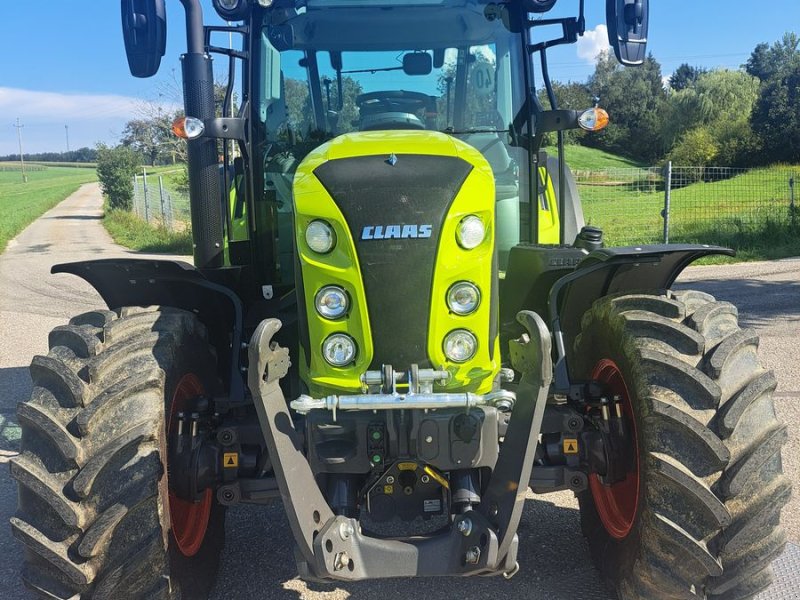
[[594, 119], [188, 128]]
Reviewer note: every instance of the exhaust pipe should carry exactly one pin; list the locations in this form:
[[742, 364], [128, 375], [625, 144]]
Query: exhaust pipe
[[204, 179]]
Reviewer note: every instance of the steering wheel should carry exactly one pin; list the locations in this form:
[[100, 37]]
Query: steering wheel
[[393, 109]]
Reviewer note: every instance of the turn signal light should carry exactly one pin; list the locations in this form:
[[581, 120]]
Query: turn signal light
[[594, 119], [188, 128]]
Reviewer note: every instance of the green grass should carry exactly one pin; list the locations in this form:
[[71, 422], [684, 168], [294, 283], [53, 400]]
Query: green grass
[[22, 203], [581, 158], [749, 212], [132, 232]]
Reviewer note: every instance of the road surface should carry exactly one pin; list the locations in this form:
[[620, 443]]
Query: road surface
[[258, 562]]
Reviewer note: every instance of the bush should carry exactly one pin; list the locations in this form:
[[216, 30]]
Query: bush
[[115, 169], [696, 147]]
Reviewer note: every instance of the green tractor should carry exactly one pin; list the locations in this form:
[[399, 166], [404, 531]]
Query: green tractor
[[396, 324]]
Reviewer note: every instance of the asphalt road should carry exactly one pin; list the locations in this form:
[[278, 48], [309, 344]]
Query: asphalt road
[[258, 562]]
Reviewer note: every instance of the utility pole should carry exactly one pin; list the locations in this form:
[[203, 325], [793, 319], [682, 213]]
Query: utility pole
[[21, 156], [66, 127]]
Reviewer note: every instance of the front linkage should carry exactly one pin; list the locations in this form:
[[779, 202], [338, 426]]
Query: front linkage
[[481, 541]]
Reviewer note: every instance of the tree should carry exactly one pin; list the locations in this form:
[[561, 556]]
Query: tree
[[722, 102], [115, 169], [776, 118], [685, 77], [768, 62], [634, 99]]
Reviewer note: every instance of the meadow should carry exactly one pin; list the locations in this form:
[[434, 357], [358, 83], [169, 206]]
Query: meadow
[[21, 203]]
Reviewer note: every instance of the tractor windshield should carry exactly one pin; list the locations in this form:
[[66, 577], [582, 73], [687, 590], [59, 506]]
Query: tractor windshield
[[451, 66]]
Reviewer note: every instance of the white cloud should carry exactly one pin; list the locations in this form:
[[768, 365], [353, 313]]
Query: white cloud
[[31, 104], [593, 43], [91, 118]]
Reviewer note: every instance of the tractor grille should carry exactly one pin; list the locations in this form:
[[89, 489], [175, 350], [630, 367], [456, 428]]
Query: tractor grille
[[374, 191]]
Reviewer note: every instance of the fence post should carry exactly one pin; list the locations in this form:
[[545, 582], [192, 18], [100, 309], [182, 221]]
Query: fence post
[[146, 206], [792, 207], [667, 199], [135, 193], [161, 197]]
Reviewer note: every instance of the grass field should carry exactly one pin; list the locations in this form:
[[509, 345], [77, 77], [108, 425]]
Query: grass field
[[581, 158], [749, 212], [21, 203], [130, 231]]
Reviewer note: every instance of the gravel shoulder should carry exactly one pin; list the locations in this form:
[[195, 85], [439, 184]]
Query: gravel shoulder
[[258, 560]]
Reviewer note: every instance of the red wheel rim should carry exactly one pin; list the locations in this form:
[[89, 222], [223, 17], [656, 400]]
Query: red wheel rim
[[617, 504], [189, 519]]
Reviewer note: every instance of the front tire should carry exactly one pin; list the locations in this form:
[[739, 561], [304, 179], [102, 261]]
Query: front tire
[[94, 511], [698, 515]]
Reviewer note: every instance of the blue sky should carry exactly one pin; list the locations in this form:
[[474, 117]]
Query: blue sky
[[64, 62]]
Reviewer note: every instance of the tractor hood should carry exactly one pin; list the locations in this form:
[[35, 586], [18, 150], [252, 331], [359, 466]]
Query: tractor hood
[[395, 201]]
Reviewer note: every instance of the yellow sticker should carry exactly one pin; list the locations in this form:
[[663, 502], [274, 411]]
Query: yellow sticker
[[230, 460], [407, 466], [570, 446], [388, 489]]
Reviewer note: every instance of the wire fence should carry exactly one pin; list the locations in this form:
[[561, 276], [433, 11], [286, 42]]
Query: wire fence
[[156, 203], [717, 205], [724, 206]]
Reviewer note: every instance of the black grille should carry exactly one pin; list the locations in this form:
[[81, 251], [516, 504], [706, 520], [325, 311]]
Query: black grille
[[416, 190]]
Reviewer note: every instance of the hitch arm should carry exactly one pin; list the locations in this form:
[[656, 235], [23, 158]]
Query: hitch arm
[[268, 363]]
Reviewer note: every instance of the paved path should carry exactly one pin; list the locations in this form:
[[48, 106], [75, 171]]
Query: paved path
[[258, 559]]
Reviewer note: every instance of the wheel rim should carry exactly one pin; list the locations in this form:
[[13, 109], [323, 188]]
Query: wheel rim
[[189, 519], [617, 504]]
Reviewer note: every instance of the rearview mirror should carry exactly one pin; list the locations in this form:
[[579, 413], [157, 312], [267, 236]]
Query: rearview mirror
[[627, 29], [417, 63], [144, 27]]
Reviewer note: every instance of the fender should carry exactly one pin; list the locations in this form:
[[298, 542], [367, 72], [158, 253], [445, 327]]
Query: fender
[[135, 282], [614, 271]]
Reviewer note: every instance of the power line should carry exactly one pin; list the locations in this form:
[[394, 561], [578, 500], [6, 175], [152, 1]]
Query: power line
[[21, 156]]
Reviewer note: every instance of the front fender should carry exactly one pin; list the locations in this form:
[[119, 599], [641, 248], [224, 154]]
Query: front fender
[[613, 271], [136, 282]]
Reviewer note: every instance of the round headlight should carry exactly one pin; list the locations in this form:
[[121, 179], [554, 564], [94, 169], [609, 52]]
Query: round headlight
[[320, 237], [470, 232], [339, 350], [332, 302], [463, 298], [460, 345]]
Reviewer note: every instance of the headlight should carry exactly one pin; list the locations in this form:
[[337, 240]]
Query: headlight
[[460, 345], [470, 232], [320, 237], [332, 302], [463, 298], [339, 350]]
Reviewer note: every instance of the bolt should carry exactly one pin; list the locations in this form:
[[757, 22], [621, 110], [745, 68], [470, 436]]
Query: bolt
[[228, 495], [226, 436], [464, 527], [408, 490], [195, 423], [576, 482], [574, 424], [425, 479], [429, 440], [473, 556], [340, 561], [346, 530], [494, 510], [390, 479]]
